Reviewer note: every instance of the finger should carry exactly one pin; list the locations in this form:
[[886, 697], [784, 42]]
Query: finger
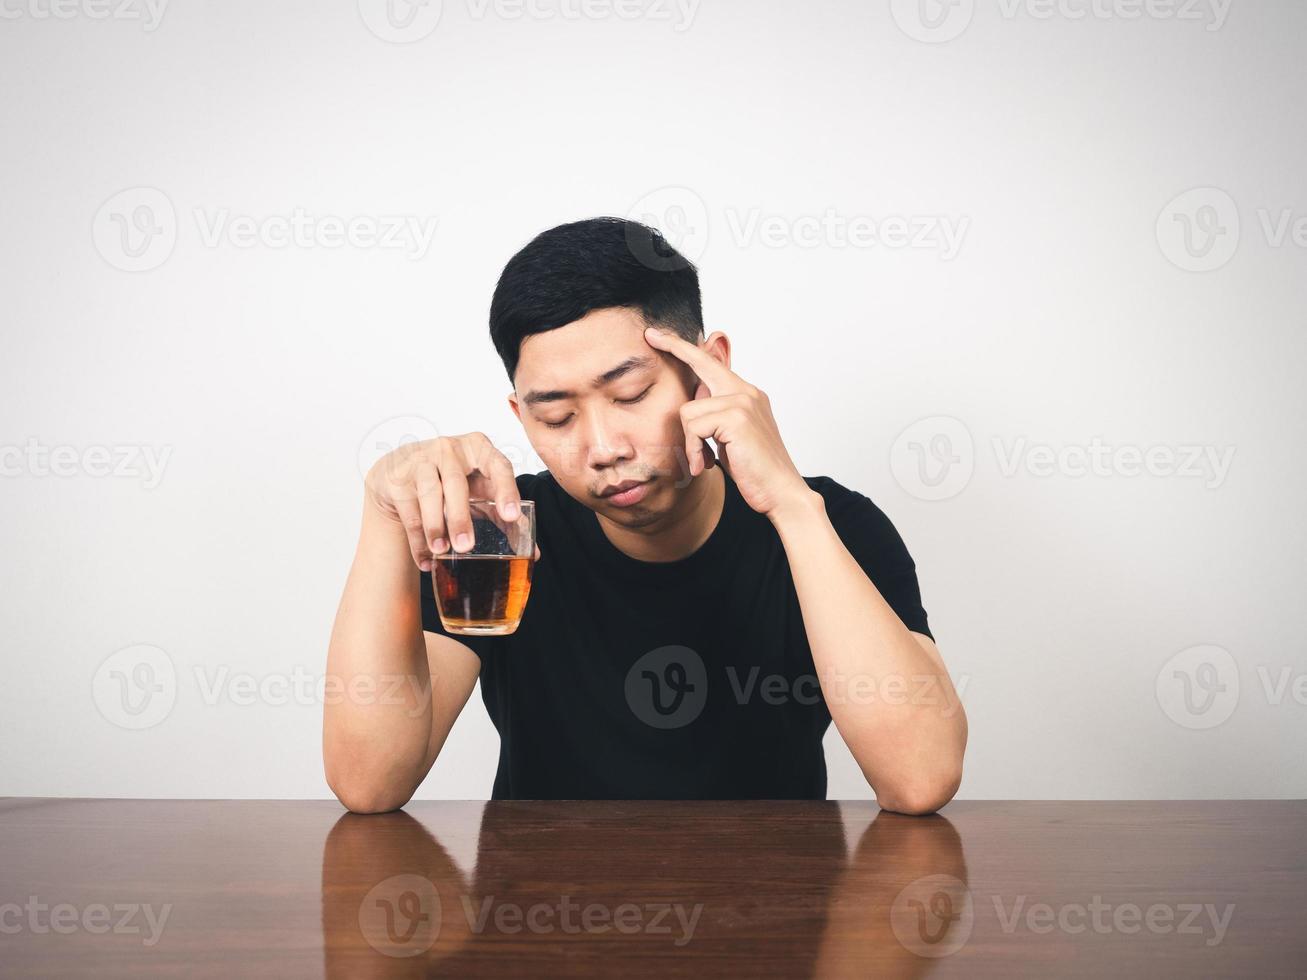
[[709, 424], [702, 405], [496, 467], [426, 480], [453, 485], [410, 515], [697, 430], [718, 377], [537, 558]]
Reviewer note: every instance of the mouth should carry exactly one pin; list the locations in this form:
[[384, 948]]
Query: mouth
[[626, 493]]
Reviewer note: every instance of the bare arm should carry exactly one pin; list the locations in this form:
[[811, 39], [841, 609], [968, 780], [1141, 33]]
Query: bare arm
[[393, 691], [888, 691]]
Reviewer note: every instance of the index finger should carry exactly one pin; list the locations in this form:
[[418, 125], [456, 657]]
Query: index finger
[[720, 379]]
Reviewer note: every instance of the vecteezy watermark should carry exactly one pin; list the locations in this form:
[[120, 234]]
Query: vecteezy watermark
[[1211, 464], [938, 21], [1204, 920], [1200, 687], [836, 687], [569, 916], [667, 687], [96, 918], [401, 21], [684, 219], [136, 687], [127, 462], [934, 459], [402, 917], [933, 916], [406, 21], [408, 233], [1200, 230], [386, 437], [219, 684], [137, 230], [148, 12]]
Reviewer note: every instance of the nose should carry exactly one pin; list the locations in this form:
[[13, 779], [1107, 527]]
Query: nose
[[607, 442]]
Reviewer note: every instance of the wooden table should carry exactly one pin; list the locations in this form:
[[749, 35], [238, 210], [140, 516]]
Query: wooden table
[[701, 889]]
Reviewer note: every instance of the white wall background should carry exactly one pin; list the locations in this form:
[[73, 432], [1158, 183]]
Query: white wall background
[[1074, 311]]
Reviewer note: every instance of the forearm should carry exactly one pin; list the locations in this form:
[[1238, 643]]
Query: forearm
[[377, 720], [889, 694]]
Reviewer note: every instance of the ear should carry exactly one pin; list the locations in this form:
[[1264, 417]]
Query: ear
[[718, 347], [512, 403]]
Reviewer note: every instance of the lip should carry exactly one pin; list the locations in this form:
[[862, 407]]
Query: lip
[[626, 493]]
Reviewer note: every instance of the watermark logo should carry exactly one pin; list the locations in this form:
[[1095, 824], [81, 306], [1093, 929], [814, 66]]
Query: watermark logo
[[685, 220], [136, 229], [934, 458], [401, 21], [938, 21], [1210, 464], [933, 21], [667, 687], [571, 917], [132, 462], [933, 916], [1198, 688], [98, 919], [136, 687], [682, 217], [148, 12], [400, 916], [390, 435], [1107, 918], [1198, 231]]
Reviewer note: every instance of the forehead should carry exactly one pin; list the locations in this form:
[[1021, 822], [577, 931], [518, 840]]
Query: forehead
[[573, 355]]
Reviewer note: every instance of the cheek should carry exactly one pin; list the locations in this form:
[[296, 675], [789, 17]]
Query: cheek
[[664, 431]]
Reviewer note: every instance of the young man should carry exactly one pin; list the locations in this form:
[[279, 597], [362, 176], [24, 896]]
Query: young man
[[698, 615]]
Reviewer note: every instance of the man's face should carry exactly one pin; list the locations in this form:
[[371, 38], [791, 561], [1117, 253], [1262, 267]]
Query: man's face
[[601, 407]]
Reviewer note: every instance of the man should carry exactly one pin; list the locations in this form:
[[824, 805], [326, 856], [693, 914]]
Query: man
[[699, 613]]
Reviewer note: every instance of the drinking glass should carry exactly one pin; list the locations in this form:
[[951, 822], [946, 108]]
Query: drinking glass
[[483, 591]]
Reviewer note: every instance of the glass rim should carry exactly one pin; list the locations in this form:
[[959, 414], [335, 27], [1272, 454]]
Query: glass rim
[[481, 500]]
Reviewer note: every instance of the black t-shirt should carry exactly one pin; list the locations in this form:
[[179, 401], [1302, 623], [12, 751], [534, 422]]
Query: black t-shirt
[[690, 679]]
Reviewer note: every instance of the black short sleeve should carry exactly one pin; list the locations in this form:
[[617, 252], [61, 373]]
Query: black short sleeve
[[877, 547]]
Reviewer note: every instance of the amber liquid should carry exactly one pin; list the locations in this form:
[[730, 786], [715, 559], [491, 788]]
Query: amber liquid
[[481, 594]]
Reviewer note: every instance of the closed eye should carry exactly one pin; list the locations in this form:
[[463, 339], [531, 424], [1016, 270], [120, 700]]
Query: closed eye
[[620, 401], [632, 401]]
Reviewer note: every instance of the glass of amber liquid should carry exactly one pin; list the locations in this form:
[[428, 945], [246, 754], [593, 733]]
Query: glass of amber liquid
[[483, 591]]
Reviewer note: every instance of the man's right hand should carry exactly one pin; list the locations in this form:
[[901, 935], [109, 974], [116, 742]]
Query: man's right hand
[[426, 486]]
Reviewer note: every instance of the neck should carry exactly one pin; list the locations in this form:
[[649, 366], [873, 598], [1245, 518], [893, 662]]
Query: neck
[[682, 530]]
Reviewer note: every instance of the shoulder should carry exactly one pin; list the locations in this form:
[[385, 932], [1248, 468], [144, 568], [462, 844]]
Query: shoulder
[[531, 486]]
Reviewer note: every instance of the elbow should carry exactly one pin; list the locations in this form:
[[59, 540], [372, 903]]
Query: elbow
[[358, 797], [363, 792], [922, 795]]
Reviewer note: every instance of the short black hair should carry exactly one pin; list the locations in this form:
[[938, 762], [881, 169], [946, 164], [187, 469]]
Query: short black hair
[[568, 271]]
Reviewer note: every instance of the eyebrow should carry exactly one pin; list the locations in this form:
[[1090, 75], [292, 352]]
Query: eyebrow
[[634, 363]]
